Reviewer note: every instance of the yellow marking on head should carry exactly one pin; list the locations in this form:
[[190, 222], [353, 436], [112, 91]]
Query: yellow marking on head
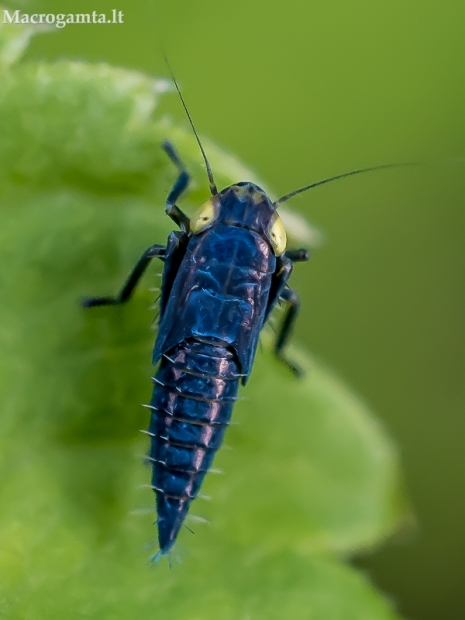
[[204, 216], [277, 235], [244, 192]]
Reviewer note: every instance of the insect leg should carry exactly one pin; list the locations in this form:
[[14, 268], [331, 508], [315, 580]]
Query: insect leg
[[297, 256], [175, 251], [285, 330], [278, 282], [174, 212], [154, 251]]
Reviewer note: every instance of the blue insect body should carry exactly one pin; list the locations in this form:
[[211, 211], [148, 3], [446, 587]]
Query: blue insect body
[[224, 272], [213, 310], [190, 415]]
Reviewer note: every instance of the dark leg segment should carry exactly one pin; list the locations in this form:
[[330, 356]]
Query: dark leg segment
[[175, 251], [174, 212], [285, 330], [154, 251], [297, 256], [278, 282]]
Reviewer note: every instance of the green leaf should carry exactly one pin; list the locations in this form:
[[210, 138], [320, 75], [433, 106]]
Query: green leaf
[[14, 40], [312, 476]]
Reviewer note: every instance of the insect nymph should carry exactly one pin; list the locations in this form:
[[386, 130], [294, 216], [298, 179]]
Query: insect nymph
[[225, 270]]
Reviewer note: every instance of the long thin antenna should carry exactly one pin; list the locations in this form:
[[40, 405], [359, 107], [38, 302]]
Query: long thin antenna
[[213, 188], [339, 176]]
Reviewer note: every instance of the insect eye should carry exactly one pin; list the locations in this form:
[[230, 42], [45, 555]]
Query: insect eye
[[277, 235], [204, 216]]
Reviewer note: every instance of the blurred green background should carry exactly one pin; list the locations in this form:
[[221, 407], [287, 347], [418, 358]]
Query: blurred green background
[[304, 90]]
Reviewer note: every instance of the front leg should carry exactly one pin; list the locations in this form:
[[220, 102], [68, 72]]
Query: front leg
[[297, 256], [179, 187], [154, 251]]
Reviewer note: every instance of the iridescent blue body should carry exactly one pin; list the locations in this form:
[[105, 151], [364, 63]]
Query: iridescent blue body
[[224, 271], [194, 394], [213, 309]]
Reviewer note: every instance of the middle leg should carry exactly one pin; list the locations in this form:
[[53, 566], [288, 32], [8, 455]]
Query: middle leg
[[285, 331], [154, 251]]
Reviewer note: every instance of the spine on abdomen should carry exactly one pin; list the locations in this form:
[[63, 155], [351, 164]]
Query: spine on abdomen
[[194, 393]]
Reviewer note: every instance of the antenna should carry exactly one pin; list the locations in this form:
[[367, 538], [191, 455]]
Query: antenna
[[339, 176], [213, 188]]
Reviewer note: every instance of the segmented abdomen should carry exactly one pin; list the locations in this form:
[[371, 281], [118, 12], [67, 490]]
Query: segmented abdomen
[[193, 397]]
